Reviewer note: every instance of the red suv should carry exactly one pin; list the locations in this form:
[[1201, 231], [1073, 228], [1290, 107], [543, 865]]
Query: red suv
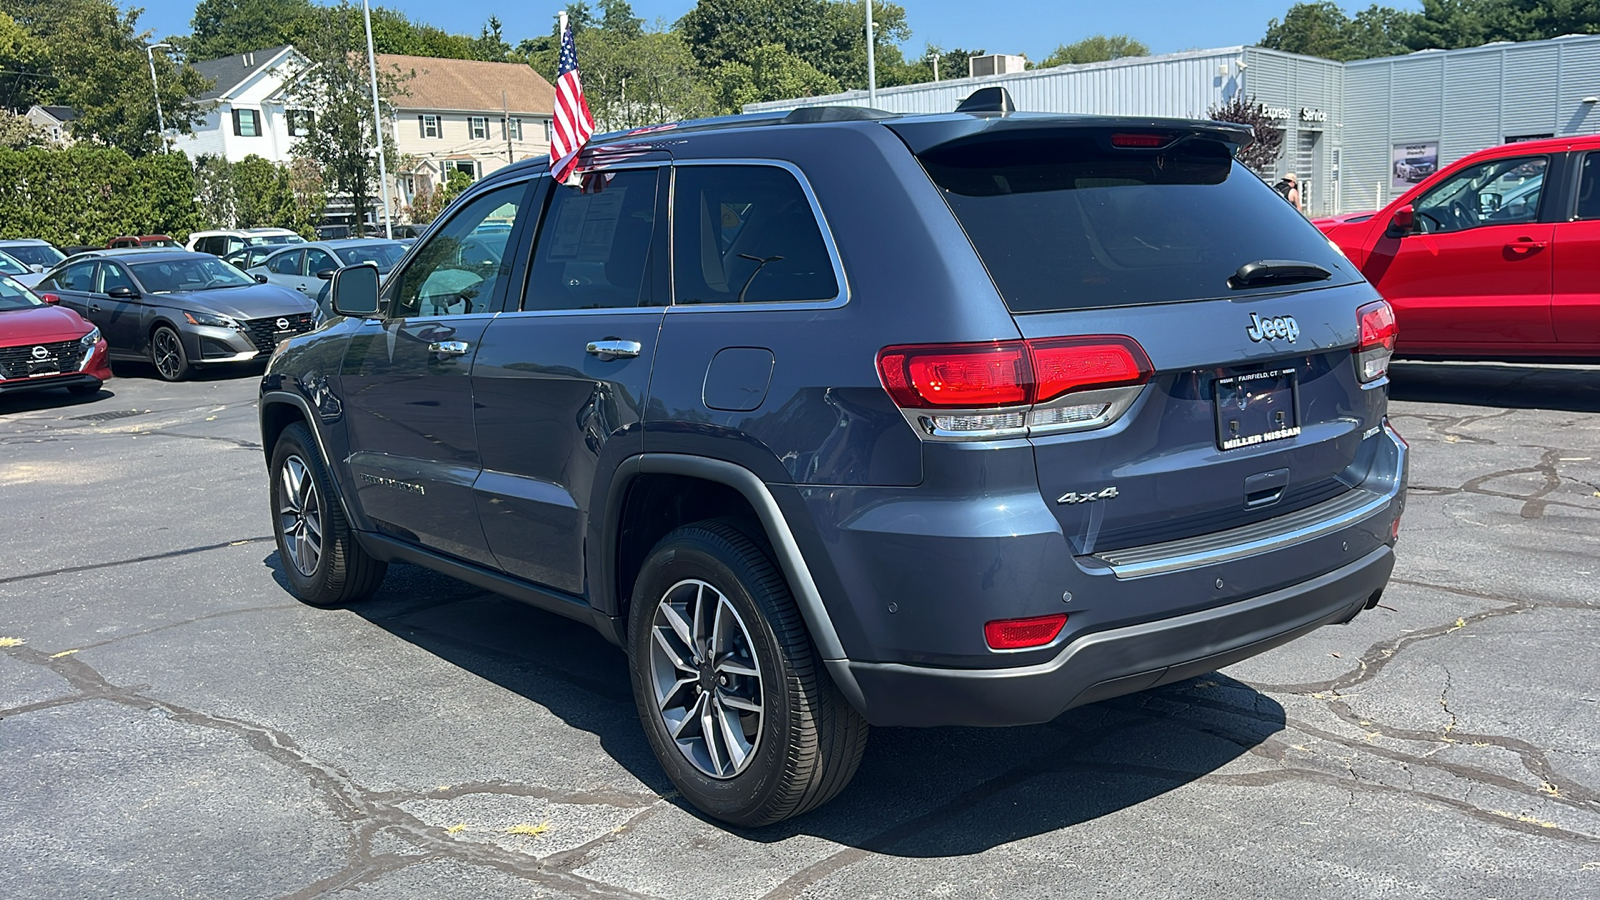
[[1496, 256]]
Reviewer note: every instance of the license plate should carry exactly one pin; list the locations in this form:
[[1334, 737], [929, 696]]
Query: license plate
[[1257, 408]]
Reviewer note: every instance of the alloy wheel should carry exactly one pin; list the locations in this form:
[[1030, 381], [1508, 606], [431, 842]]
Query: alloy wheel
[[706, 678], [168, 354], [300, 516]]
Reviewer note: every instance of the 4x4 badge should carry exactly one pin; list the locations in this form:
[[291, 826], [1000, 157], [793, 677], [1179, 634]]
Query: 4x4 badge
[[1271, 329], [1071, 497]]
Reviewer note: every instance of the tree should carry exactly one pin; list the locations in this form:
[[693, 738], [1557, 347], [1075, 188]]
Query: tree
[[334, 86], [17, 132], [772, 73], [826, 35], [214, 195], [24, 64], [1263, 154], [430, 201], [1322, 29], [224, 27], [1092, 49], [95, 63]]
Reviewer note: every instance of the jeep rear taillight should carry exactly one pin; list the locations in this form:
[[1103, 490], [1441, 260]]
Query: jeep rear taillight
[[1013, 388], [1378, 334]]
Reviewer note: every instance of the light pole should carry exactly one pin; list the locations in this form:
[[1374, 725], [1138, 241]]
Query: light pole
[[872, 66], [161, 121], [377, 128]]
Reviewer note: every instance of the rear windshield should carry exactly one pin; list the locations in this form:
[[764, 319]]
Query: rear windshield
[[1068, 223]]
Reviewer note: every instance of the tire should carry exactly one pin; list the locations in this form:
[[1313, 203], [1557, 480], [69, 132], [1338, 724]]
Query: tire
[[321, 559], [168, 356], [84, 390], [764, 688]]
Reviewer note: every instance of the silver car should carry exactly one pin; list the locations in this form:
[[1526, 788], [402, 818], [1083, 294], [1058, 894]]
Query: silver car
[[304, 267]]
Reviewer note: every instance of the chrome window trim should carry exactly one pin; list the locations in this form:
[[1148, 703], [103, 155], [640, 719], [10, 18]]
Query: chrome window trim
[[838, 300]]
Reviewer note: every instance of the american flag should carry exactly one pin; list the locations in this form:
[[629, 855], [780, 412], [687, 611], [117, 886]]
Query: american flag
[[573, 124]]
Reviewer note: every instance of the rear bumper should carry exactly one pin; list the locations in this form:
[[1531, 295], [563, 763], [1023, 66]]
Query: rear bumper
[[1105, 664]]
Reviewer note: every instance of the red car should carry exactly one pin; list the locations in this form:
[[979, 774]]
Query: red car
[[142, 240], [1496, 256], [47, 346]]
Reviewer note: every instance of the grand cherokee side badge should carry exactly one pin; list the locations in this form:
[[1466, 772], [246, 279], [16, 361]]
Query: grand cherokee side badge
[[1072, 497], [1271, 329]]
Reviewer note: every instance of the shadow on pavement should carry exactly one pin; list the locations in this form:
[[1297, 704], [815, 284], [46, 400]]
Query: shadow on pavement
[[919, 792], [1570, 388], [56, 398]]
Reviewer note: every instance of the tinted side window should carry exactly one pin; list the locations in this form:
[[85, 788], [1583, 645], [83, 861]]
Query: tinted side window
[[1589, 187], [463, 262], [594, 247], [1498, 192], [747, 234], [286, 263]]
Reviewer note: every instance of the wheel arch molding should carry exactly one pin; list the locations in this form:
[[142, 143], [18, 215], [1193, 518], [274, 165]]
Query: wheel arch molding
[[605, 570], [276, 410]]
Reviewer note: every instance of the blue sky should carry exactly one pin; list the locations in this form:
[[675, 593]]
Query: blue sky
[[1030, 27]]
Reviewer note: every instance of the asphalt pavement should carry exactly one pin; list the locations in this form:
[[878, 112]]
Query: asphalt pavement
[[174, 724]]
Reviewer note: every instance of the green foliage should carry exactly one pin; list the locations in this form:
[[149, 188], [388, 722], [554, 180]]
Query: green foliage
[[88, 194], [24, 65], [336, 85], [772, 73], [224, 27], [1094, 48], [17, 132], [828, 36], [94, 61], [1322, 29], [952, 64]]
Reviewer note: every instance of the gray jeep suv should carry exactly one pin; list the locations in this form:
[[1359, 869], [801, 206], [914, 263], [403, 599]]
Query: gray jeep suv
[[841, 417]]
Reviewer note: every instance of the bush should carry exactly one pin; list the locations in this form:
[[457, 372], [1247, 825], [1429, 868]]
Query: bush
[[88, 194]]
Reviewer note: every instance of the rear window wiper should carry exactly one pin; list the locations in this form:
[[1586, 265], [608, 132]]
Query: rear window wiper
[[1277, 271]]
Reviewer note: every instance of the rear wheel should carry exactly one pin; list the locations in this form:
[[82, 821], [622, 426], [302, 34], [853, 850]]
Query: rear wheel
[[167, 355], [732, 696], [321, 559]]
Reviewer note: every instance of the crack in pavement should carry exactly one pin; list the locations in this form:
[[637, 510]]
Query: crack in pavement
[[169, 554], [365, 812]]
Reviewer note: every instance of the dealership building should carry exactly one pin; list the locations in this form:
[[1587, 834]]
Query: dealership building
[[1357, 134]]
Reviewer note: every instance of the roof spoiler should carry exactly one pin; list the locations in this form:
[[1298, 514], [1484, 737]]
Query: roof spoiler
[[988, 100]]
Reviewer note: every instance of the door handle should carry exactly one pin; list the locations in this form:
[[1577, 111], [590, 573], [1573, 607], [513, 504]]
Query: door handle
[[301, 288], [94, 309], [612, 348], [449, 348], [1525, 245]]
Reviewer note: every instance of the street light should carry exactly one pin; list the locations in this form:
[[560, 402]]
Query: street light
[[377, 129], [872, 67], [161, 121]]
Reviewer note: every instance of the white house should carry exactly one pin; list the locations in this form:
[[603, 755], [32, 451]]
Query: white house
[[244, 110]]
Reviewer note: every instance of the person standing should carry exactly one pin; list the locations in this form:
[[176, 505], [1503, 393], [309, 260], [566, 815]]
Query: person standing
[[1289, 188]]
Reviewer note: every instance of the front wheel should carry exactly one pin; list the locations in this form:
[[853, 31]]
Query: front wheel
[[733, 698], [323, 562], [168, 356]]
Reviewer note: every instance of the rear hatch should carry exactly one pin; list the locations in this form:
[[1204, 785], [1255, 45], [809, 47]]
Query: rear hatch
[[1250, 405]]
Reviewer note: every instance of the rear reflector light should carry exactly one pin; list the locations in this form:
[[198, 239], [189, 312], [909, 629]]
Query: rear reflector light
[[1378, 333], [1019, 634], [1124, 139]]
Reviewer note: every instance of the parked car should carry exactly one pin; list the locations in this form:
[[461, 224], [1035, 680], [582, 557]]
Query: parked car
[[35, 254], [306, 267], [1349, 218], [1496, 256], [144, 240], [840, 417], [221, 243], [44, 346], [176, 309], [10, 265]]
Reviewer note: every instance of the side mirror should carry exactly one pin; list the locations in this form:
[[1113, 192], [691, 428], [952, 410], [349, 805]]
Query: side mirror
[[1405, 218], [354, 290], [325, 274], [122, 293], [36, 268], [261, 279], [51, 299]]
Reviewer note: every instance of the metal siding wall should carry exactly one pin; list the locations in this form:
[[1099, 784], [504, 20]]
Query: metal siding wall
[[1472, 99], [1528, 89], [1365, 179], [1580, 77]]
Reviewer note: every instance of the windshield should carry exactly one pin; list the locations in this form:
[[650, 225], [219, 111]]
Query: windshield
[[15, 296], [35, 254], [1063, 222], [188, 274], [275, 239], [10, 266], [384, 256]]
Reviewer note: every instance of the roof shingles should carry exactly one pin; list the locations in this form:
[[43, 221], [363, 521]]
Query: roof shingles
[[468, 85]]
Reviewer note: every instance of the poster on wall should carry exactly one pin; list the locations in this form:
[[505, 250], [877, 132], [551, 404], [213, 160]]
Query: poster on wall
[[1413, 162]]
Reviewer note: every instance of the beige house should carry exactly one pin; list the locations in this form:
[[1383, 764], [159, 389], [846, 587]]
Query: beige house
[[55, 122], [464, 115]]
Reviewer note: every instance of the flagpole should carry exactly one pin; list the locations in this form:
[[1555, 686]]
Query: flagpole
[[872, 65], [377, 127]]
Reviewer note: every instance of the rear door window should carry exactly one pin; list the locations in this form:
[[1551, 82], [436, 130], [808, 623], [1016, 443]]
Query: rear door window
[[747, 234], [286, 263], [596, 244], [1589, 188], [319, 261], [1066, 222]]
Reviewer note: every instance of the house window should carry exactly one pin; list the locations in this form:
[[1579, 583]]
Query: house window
[[549, 131], [429, 126], [247, 123], [514, 129], [300, 122], [470, 167], [480, 127]]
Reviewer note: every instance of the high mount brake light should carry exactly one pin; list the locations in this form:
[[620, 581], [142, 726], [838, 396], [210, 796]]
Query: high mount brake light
[[1128, 140], [1020, 634], [1007, 388], [1378, 334]]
